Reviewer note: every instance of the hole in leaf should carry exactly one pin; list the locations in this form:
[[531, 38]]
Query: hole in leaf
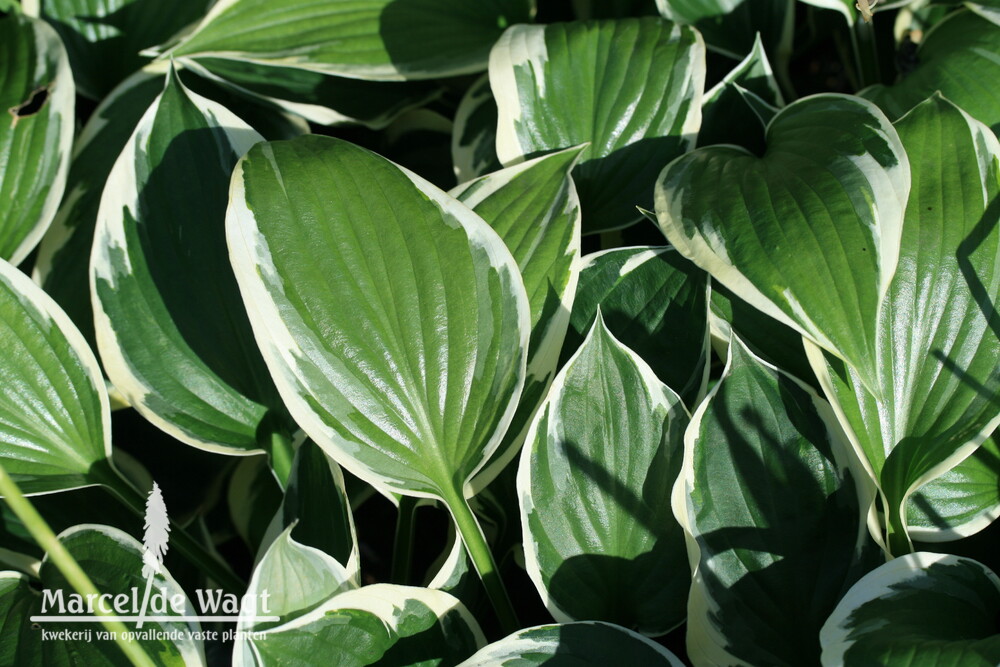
[[31, 106]]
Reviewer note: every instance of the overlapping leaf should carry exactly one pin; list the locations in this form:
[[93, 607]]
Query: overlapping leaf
[[473, 141], [935, 394], [733, 26], [655, 302], [104, 37], [394, 320], [36, 131], [637, 101], [173, 335], [112, 559], [366, 39], [594, 484], [534, 208], [959, 57], [809, 232], [919, 610], [775, 520], [584, 643]]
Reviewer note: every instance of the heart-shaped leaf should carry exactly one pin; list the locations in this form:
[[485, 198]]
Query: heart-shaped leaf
[[55, 418], [935, 395], [594, 484], [918, 610], [181, 354], [807, 233], [36, 131], [534, 208], [585, 643], [370, 39], [637, 103], [775, 521]]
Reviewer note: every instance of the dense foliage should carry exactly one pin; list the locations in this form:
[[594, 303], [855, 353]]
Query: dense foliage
[[506, 332]]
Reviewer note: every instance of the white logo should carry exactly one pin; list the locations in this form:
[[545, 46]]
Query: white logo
[[165, 608]]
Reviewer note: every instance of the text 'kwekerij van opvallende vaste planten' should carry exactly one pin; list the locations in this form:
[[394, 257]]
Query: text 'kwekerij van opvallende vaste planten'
[[507, 332]]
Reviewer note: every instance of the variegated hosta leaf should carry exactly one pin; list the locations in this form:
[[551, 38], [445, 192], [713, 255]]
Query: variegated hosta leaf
[[846, 7], [171, 328], [958, 57], [36, 131], [585, 643], [317, 97], [55, 418], [317, 509], [727, 115], [378, 624], [594, 484], [113, 561], [104, 37], [935, 395], [366, 39], [473, 140], [254, 497], [732, 27], [808, 233], [775, 522], [63, 263], [961, 502], [637, 102], [920, 610], [534, 208], [656, 303], [393, 319]]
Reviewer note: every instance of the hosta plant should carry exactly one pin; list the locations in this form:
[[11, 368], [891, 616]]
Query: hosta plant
[[499, 333]]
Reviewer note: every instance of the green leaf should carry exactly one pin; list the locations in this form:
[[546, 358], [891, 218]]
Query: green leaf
[[112, 559], [957, 58], [253, 497], [181, 354], [656, 303], [317, 97], [316, 506], [775, 521], [534, 208], [104, 37], [594, 482], [378, 624], [734, 27], [960, 502], [637, 103], [731, 105], [809, 232], [393, 319], [473, 140], [36, 131], [63, 263], [919, 610], [585, 643], [55, 418], [935, 394], [366, 39], [845, 7]]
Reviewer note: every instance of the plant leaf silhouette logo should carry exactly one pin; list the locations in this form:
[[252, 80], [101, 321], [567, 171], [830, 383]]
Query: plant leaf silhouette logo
[[154, 542]]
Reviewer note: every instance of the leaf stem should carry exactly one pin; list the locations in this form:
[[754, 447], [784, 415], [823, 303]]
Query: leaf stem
[[186, 545], [865, 53], [402, 548], [69, 568], [479, 551]]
